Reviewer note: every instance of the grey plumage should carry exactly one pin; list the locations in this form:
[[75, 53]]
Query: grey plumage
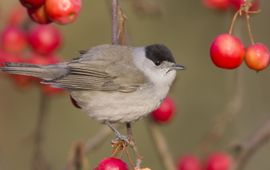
[[88, 72], [48, 72], [111, 82]]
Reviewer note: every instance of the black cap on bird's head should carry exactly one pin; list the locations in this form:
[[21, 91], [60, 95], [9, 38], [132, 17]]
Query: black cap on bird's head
[[159, 53]]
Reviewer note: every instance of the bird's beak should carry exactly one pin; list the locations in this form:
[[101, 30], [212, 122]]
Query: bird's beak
[[177, 67]]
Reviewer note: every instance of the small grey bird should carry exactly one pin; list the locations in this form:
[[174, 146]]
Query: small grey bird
[[111, 83]]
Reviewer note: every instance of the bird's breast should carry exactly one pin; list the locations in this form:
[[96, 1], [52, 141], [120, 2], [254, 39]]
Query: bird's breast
[[118, 106]]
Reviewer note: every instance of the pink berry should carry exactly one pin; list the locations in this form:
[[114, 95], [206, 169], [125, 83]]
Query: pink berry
[[32, 3], [217, 4], [164, 112], [39, 15], [112, 163], [13, 39], [218, 161], [189, 162], [63, 11], [257, 57], [227, 51], [45, 39]]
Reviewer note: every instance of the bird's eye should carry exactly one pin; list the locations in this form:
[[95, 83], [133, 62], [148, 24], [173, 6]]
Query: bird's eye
[[157, 63]]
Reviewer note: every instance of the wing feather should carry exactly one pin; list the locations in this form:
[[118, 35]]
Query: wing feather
[[101, 72]]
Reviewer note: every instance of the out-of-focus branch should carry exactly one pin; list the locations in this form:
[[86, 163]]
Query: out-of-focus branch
[[161, 146], [39, 162], [96, 141], [77, 159], [115, 23], [226, 116], [248, 148]]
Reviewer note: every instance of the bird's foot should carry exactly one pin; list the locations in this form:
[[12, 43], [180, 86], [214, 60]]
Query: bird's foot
[[120, 137]]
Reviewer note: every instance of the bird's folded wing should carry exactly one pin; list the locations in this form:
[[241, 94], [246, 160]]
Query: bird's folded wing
[[99, 77]]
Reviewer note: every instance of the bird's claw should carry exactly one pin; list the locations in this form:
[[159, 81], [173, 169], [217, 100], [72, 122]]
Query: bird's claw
[[120, 137]]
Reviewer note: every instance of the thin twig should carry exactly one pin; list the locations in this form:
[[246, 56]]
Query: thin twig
[[122, 31], [233, 21], [39, 162], [161, 146], [95, 141], [77, 159], [251, 37], [133, 145], [115, 7], [247, 149]]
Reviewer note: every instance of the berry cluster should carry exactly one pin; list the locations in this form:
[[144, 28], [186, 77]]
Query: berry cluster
[[227, 51], [24, 42], [230, 4], [214, 161], [47, 11]]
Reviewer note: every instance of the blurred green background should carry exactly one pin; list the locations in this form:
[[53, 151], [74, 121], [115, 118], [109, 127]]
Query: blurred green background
[[201, 92]]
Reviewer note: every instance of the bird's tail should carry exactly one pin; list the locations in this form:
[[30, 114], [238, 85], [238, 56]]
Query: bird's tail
[[48, 72]]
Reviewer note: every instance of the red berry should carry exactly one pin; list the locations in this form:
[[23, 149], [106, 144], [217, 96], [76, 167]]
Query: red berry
[[63, 11], [165, 112], [257, 57], [227, 51], [217, 4], [74, 102], [39, 15], [45, 39], [38, 59], [112, 163], [32, 3], [218, 161], [189, 162], [43, 59], [13, 39], [236, 4]]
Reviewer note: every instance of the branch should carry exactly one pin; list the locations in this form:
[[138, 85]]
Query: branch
[[115, 9], [248, 148], [119, 36], [39, 162], [161, 146], [96, 141], [77, 159]]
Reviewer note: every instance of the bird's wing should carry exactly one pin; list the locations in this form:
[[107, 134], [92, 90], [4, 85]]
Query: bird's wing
[[100, 74]]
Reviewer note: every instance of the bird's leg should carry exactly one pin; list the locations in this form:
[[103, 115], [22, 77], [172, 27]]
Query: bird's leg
[[118, 135], [133, 145]]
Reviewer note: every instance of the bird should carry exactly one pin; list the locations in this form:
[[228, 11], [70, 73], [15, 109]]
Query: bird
[[111, 83]]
